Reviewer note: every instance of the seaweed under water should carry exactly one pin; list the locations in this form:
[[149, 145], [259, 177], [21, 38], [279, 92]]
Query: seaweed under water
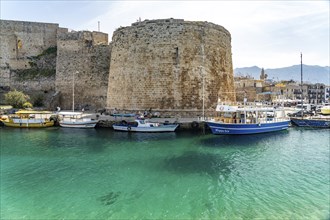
[[110, 198]]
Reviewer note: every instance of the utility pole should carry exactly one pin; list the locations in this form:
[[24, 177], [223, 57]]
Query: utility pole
[[98, 26]]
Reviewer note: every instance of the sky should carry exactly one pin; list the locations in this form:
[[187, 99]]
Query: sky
[[268, 34]]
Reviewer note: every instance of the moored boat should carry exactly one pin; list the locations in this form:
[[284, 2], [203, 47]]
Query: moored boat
[[141, 125], [317, 121], [311, 121], [325, 110], [29, 119], [76, 120], [247, 120]]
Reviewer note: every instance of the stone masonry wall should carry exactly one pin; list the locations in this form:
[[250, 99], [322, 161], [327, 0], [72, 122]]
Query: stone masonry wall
[[87, 56], [24, 64], [160, 64]]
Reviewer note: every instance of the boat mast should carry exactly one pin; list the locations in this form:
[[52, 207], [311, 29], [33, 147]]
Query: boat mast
[[203, 76], [73, 91], [301, 86]]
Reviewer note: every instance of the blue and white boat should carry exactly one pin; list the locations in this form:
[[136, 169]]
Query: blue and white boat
[[312, 121], [247, 120], [141, 125]]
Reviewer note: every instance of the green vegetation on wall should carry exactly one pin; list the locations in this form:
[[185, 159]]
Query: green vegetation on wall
[[42, 65], [50, 50], [34, 73]]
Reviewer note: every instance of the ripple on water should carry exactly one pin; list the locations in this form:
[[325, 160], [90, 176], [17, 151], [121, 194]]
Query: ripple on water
[[101, 174]]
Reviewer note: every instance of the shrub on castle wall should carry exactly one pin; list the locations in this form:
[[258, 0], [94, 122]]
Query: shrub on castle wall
[[16, 99]]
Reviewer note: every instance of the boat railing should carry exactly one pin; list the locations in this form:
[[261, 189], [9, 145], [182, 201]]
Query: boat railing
[[25, 120]]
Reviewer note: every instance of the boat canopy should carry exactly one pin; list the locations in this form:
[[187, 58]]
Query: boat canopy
[[228, 108], [70, 113], [27, 112]]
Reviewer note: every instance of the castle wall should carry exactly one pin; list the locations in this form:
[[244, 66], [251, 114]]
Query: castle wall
[[21, 39], [160, 64], [86, 55], [24, 64]]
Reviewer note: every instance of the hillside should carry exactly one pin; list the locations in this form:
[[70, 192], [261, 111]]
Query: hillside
[[312, 74]]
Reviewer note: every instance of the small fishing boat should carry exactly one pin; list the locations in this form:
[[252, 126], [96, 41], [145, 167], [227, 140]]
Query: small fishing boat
[[29, 119], [247, 120], [318, 121], [75, 120], [141, 125]]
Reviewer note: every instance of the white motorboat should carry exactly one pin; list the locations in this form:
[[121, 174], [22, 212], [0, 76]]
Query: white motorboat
[[141, 125], [76, 120]]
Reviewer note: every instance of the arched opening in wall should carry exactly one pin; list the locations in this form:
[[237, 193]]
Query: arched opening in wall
[[19, 44]]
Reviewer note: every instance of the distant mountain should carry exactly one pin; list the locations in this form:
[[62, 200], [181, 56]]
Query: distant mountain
[[312, 74]]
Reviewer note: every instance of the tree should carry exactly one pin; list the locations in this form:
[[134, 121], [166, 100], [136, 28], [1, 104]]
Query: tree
[[16, 98]]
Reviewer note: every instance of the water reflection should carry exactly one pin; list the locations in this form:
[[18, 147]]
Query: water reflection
[[223, 141], [195, 162], [141, 137]]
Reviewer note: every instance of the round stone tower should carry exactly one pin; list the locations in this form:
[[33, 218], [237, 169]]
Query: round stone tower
[[172, 66]]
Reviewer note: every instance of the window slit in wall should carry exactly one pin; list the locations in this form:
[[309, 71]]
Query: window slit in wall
[[177, 55]]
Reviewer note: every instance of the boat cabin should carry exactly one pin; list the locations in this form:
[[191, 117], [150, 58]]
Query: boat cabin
[[244, 115]]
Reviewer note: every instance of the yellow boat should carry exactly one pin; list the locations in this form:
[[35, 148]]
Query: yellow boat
[[325, 110], [29, 119]]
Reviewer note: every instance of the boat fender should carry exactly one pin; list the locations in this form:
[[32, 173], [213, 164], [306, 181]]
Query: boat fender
[[259, 124], [129, 128], [194, 124]]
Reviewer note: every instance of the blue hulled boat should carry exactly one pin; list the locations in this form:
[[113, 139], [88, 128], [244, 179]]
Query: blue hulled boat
[[313, 122], [247, 120]]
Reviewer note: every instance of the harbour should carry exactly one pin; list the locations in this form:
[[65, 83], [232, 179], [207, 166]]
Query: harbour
[[63, 173], [176, 117]]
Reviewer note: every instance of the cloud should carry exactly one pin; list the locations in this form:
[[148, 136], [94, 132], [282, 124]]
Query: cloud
[[265, 33]]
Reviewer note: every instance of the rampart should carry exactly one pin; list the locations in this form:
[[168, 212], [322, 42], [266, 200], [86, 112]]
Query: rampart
[[39, 59], [28, 57], [170, 65], [82, 56]]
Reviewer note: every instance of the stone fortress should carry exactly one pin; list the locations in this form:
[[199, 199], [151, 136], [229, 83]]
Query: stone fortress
[[167, 65]]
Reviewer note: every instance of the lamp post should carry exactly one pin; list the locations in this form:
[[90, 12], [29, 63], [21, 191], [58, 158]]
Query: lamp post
[[203, 81], [73, 89], [203, 88]]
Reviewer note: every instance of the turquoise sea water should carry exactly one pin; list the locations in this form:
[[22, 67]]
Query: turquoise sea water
[[59, 173]]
